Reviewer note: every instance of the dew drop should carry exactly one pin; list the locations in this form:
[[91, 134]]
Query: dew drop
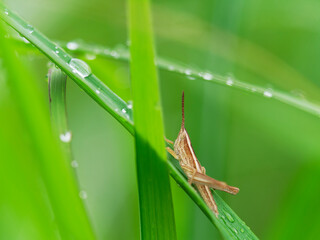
[[66, 137], [191, 78], [229, 81], [80, 67], [124, 110], [229, 217], [83, 194], [74, 164], [30, 28], [117, 110], [90, 56], [72, 45], [268, 93], [25, 40], [129, 105], [187, 72], [171, 68], [97, 91], [242, 230], [114, 54], [207, 76], [56, 51], [6, 12]]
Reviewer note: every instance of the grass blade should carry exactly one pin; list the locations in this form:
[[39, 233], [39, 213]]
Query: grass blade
[[59, 182], [107, 99], [76, 69], [156, 210]]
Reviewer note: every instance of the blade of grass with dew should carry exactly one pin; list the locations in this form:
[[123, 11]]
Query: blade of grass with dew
[[196, 74], [192, 73], [107, 100], [67, 208], [156, 208], [76, 69], [57, 98]]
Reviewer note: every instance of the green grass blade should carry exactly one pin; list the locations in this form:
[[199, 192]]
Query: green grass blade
[[156, 210], [76, 69], [191, 73], [112, 100], [57, 98], [60, 185]]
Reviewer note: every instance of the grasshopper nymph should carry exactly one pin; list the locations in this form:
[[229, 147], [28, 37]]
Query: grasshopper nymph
[[196, 173]]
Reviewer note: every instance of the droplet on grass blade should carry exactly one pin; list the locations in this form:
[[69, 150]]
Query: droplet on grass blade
[[74, 164], [80, 67], [83, 194], [72, 45], [268, 93], [66, 137]]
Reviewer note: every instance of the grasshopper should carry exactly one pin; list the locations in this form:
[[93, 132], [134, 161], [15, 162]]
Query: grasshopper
[[196, 173]]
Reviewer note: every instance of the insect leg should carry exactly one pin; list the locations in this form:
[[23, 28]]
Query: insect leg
[[168, 141], [172, 153]]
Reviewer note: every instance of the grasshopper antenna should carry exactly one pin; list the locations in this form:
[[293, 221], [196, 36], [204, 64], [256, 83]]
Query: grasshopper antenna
[[182, 124]]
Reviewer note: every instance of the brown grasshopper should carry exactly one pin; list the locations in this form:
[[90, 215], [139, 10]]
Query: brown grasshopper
[[196, 173]]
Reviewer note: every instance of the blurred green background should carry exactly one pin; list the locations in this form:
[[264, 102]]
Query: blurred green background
[[268, 149]]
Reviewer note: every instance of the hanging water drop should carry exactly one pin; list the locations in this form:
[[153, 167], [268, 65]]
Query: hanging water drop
[[74, 164], [80, 67], [229, 81], [66, 137], [229, 217], [72, 45], [90, 56], [129, 105], [30, 28], [115, 54], [207, 76], [83, 194], [187, 72], [268, 93]]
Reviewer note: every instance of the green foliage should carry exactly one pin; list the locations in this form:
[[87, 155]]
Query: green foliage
[[237, 62]]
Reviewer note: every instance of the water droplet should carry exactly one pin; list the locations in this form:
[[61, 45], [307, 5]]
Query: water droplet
[[74, 164], [229, 81], [171, 68], [97, 91], [83, 194], [191, 78], [80, 67], [242, 230], [124, 110], [268, 93], [114, 54], [207, 76], [30, 28], [25, 40], [66, 137], [129, 105], [229, 217], [90, 56], [72, 45], [117, 110], [253, 89], [235, 231], [56, 51], [6, 12], [187, 72]]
